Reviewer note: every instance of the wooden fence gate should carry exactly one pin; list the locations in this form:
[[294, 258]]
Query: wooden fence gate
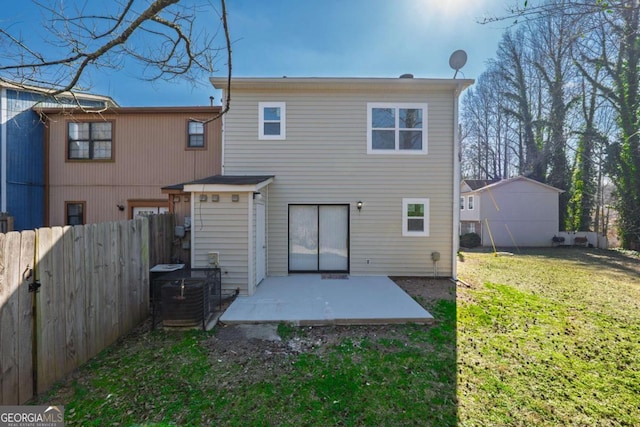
[[92, 287]]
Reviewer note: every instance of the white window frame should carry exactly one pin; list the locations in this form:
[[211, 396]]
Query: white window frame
[[405, 217], [470, 203], [397, 106], [283, 120], [462, 202]]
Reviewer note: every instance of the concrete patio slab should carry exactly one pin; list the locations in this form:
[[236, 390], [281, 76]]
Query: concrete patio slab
[[321, 300]]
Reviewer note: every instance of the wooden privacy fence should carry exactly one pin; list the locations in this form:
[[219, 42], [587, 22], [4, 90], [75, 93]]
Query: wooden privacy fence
[[94, 287]]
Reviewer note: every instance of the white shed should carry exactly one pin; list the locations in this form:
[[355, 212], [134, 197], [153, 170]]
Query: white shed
[[512, 212]]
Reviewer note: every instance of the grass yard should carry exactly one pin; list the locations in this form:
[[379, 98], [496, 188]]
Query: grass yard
[[549, 338], [390, 375], [544, 338]]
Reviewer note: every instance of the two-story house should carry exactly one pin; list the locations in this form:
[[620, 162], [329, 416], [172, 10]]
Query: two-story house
[[514, 212], [339, 175], [112, 165], [22, 152]]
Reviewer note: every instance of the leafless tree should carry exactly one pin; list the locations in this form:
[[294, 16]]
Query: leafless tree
[[164, 38]]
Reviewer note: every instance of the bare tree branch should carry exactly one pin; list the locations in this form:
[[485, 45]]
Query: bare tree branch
[[159, 35]]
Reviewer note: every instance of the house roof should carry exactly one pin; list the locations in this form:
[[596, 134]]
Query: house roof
[[337, 83], [476, 184], [43, 90], [132, 110], [500, 183], [217, 183]]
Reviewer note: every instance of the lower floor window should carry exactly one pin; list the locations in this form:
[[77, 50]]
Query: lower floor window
[[75, 213], [415, 217]]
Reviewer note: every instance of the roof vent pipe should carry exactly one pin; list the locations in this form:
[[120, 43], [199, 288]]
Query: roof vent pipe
[[406, 76]]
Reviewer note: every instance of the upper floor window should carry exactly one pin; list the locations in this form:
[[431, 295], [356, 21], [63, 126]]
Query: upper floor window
[[396, 128], [272, 118], [415, 217], [90, 141], [462, 203], [470, 203], [195, 137]]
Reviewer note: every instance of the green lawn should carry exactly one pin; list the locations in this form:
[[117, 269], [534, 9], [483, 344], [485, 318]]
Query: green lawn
[[353, 376], [544, 338], [549, 337]]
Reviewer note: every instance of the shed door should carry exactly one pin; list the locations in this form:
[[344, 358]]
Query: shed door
[[319, 238]]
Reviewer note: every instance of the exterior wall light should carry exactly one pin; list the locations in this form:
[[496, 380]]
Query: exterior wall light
[[359, 205]]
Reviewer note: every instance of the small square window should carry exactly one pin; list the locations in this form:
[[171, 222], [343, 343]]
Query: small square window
[[415, 217], [74, 213], [272, 120], [195, 134]]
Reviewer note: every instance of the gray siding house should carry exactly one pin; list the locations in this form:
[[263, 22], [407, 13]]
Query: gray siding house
[[332, 175], [514, 212]]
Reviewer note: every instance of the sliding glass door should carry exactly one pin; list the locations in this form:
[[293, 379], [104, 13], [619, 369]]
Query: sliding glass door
[[318, 238]]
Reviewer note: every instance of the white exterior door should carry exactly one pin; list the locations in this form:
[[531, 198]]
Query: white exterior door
[[261, 243], [318, 238]]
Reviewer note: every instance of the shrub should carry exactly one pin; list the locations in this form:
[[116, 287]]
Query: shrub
[[470, 240]]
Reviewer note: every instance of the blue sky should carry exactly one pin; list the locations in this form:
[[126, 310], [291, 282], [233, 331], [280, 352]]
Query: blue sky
[[321, 38]]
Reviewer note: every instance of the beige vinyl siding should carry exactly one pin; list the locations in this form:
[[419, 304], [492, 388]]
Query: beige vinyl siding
[[520, 213], [324, 160], [222, 227], [149, 153]]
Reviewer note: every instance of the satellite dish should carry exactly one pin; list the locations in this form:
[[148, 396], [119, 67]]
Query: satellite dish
[[457, 60]]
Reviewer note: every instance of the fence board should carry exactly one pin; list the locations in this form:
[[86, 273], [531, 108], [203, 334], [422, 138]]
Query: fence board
[[26, 320], [9, 320], [91, 290], [4, 296], [70, 299], [112, 278], [79, 286], [126, 318], [58, 307], [144, 269], [99, 283], [134, 270], [44, 311]]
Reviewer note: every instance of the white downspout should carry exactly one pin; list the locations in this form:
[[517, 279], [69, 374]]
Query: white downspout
[[456, 184], [3, 150], [251, 276]]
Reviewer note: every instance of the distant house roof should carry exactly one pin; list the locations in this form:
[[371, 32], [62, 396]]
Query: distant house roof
[[476, 184], [133, 110], [107, 100], [490, 184], [221, 180]]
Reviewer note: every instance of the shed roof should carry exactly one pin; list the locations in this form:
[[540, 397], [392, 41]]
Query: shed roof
[[476, 184], [490, 185]]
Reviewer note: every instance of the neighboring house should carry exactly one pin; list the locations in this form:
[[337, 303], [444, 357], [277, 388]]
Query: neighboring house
[[332, 175], [22, 152], [515, 212], [110, 166]]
